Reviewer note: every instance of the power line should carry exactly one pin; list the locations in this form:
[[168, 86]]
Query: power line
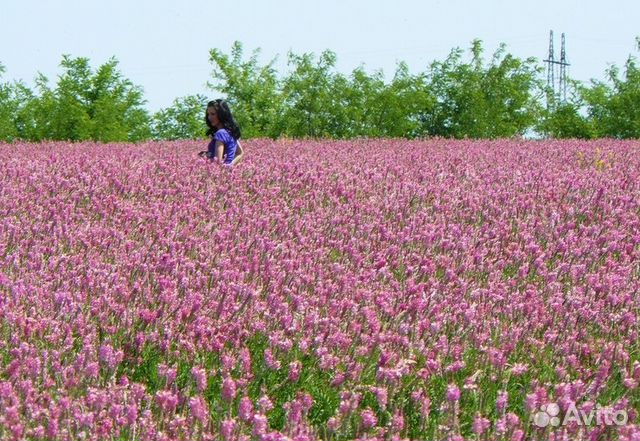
[[558, 87]]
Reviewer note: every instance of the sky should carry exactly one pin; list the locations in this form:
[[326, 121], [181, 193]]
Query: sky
[[163, 46]]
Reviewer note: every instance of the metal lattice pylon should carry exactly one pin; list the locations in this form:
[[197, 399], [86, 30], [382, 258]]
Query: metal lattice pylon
[[559, 87]]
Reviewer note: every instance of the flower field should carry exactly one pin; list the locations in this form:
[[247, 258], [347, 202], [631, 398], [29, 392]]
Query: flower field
[[320, 290]]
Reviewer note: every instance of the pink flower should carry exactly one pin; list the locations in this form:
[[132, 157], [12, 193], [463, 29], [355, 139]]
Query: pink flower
[[226, 429], [270, 360], [294, 371], [512, 419], [169, 373], [109, 356], [17, 430], [245, 361], [228, 389], [453, 393], [360, 264], [519, 369], [92, 370], [199, 409], [338, 379], [306, 401], [131, 412], [245, 409], [501, 401], [166, 400], [425, 407], [480, 425], [52, 428], [368, 418], [397, 422], [264, 404], [531, 402], [381, 396], [259, 425], [200, 375]]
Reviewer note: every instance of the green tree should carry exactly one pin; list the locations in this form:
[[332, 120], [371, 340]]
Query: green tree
[[478, 101], [566, 119], [360, 100], [36, 118], [8, 108], [312, 95], [184, 119], [404, 104], [84, 104], [18, 111], [453, 98], [374, 108], [614, 106], [70, 118], [251, 90], [114, 105]]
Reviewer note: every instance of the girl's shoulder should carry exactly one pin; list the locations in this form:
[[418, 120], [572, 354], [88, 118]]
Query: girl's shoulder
[[221, 135]]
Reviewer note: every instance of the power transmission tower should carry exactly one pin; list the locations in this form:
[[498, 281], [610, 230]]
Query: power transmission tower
[[562, 87], [559, 88]]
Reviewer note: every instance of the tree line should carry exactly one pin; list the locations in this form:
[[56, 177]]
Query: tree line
[[462, 96]]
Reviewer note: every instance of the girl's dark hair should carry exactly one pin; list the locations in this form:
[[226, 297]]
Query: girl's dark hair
[[225, 117]]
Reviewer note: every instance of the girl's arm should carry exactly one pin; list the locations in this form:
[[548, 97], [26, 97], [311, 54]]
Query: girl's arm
[[219, 151], [239, 154]]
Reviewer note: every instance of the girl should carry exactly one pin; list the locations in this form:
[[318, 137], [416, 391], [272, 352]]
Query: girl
[[225, 133]]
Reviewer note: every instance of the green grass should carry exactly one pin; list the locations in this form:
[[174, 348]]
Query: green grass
[[326, 398], [334, 255], [510, 271], [147, 371]]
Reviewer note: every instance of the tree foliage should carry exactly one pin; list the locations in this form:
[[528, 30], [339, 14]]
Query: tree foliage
[[609, 108], [84, 104], [314, 100], [475, 100], [184, 119], [614, 106], [7, 110], [566, 119], [463, 95], [251, 90]]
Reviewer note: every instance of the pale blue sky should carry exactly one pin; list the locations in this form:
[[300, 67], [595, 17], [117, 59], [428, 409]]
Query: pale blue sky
[[164, 45]]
